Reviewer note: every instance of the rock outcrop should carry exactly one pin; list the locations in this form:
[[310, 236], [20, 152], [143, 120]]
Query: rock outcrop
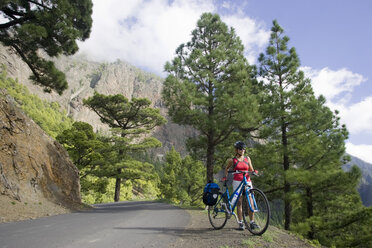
[[85, 76], [34, 168]]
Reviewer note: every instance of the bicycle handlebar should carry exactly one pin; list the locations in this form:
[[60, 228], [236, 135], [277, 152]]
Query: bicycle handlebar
[[253, 173]]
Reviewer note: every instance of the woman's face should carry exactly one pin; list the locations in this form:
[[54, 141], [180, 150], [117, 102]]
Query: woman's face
[[240, 151]]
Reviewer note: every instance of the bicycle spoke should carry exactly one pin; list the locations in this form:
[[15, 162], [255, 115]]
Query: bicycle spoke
[[217, 215], [261, 214]]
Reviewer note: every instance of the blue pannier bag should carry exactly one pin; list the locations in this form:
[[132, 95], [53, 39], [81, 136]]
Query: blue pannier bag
[[210, 195]]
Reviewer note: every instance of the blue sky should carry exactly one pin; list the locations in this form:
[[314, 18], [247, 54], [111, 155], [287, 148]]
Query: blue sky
[[333, 39]]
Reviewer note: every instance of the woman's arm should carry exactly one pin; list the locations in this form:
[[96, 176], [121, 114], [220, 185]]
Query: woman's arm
[[229, 164], [250, 164]]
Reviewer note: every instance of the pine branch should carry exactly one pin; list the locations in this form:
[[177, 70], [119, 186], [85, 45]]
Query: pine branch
[[223, 136], [39, 4], [15, 22], [12, 13], [24, 57]]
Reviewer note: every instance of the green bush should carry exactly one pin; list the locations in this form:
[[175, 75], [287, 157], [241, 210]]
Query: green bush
[[48, 116]]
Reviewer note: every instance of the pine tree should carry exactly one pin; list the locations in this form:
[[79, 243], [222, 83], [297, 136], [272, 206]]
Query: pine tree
[[84, 149], [182, 180], [296, 124], [209, 87], [169, 186], [192, 177], [82, 145], [318, 156], [303, 150], [51, 26], [284, 106], [129, 120]]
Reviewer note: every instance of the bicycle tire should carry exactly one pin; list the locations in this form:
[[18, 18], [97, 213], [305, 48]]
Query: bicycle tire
[[217, 214], [261, 217]]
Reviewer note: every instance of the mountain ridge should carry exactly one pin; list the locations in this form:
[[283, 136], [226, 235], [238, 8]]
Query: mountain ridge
[[365, 186], [85, 77]]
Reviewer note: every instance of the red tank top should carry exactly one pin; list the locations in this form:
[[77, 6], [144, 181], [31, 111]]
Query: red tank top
[[242, 166]]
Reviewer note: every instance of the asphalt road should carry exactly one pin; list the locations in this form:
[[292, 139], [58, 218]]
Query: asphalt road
[[123, 224]]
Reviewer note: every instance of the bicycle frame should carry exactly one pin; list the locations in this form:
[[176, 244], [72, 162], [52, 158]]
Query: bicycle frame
[[256, 211], [242, 186]]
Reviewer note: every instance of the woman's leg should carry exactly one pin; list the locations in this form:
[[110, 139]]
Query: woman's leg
[[250, 213], [239, 206], [239, 209]]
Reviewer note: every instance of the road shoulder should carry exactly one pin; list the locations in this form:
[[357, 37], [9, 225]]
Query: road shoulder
[[200, 234]]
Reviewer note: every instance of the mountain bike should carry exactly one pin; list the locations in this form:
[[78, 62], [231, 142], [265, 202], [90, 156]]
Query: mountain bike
[[254, 201]]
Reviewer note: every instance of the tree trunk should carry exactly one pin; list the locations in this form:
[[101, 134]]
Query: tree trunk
[[117, 187], [287, 206], [210, 161], [310, 210], [118, 179], [210, 137], [287, 186]]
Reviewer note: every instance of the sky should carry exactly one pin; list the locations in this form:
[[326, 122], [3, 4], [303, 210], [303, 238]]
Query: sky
[[333, 39]]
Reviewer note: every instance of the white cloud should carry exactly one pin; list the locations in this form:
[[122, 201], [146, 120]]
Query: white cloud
[[226, 5], [337, 87], [252, 33], [331, 83], [146, 33], [358, 116], [363, 152]]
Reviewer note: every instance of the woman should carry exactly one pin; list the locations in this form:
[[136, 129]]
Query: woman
[[241, 163]]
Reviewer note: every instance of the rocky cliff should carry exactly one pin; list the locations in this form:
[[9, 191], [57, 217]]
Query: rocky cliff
[[84, 77], [36, 176], [35, 170]]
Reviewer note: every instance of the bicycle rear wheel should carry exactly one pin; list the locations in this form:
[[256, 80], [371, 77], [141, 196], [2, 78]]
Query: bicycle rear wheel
[[261, 214], [217, 214]]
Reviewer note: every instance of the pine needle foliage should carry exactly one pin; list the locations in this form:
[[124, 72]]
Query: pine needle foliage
[[302, 153], [209, 87], [48, 115], [52, 26], [129, 122]]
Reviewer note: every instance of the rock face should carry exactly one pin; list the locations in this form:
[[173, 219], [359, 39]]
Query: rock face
[[33, 167], [85, 76], [36, 176]]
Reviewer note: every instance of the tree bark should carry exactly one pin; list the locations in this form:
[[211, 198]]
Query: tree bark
[[310, 211], [210, 160], [287, 186], [117, 187], [287, 206]]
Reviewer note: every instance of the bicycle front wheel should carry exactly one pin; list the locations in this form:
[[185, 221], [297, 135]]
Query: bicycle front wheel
[[217, 214], [260, 214]]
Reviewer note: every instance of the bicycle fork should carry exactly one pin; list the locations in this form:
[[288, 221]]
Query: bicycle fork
[[229, 211], [252, 203], [226, 206]]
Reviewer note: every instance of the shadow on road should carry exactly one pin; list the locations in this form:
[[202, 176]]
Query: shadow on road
[[174, 231], [117, 207]]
